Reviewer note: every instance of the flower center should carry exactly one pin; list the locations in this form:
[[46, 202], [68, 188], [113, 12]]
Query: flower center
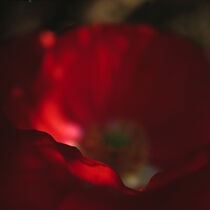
[[117, 138], [120, 144]]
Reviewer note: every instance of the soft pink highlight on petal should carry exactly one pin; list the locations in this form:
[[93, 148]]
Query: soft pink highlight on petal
[[50, 120]]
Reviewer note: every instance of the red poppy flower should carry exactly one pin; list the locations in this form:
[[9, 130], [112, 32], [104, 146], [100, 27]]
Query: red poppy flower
[[96, 76]]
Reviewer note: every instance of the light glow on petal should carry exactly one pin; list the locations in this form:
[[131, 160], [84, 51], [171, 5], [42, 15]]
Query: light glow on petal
[[47, 39], [50, 120]]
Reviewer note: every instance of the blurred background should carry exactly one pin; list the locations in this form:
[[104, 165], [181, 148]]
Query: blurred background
[[190, 18]]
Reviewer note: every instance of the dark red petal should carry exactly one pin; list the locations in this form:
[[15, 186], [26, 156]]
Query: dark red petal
[[134, 73], [186, 187], [97, 74], [38, 173]]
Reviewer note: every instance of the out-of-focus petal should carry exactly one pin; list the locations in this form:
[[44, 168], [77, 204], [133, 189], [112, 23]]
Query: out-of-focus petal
[[38, 173], [136, 73], [104, 73], [186, 187]]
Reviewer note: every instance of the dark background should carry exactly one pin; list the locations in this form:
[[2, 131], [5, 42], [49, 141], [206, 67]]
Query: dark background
[[21, 17]]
